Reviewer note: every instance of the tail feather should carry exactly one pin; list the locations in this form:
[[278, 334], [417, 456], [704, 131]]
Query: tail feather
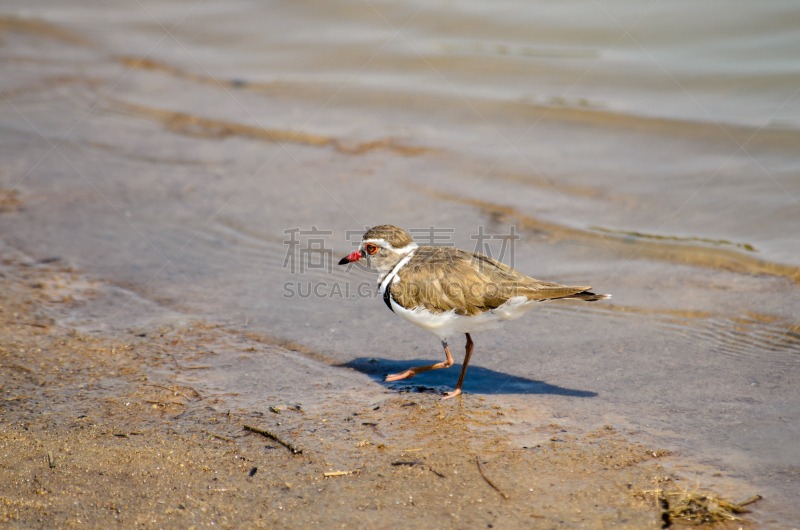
[[587, 296]]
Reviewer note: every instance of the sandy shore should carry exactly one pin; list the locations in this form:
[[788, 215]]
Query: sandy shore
[[101, 427]]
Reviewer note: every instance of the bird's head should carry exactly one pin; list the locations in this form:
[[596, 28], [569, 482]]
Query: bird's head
[[382, 247]]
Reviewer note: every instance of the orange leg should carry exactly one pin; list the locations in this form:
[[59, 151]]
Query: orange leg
[[457, 391], [411, 372]]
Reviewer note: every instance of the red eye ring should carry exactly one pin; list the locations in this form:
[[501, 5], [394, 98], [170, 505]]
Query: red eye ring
[[371, 249]]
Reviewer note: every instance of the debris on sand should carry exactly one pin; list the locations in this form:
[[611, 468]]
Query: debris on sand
[[273, 436], [696, 508]]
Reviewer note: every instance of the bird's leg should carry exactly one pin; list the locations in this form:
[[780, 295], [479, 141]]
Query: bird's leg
[[411, 372], [457, 391]]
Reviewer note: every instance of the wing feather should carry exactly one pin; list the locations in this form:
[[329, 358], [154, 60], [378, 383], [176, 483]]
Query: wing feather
[[442, 279]]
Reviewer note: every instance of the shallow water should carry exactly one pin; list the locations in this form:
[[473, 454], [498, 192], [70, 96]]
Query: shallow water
[[651, 151]]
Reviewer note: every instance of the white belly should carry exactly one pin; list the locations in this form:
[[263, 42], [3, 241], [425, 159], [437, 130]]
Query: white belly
[[447, 324]]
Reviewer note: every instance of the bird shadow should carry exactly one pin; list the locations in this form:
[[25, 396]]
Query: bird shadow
[[479, 380]]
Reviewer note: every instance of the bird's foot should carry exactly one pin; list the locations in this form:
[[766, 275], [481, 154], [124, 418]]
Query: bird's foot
[[454, 393], [402, 375]]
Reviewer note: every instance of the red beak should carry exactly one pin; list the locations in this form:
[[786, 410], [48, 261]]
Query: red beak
[[355, 256]]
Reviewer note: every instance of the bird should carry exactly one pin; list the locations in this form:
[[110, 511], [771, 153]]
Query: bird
[[450, 291]]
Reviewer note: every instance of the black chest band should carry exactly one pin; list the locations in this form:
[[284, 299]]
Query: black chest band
[[387, 298]]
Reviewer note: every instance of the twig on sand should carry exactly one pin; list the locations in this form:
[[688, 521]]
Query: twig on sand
[[374, 427], [338, 473], [751, 500], [275, 437], [211, 434], [483, 474], [435, 472]]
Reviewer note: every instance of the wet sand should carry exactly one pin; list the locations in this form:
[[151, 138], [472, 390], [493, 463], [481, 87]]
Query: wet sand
[[127, 427]]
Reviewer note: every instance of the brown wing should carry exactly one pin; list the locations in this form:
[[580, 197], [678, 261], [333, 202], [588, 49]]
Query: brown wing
[[442, 279]]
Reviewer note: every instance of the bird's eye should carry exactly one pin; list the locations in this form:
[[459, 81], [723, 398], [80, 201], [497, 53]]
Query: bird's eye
[[371, 249]]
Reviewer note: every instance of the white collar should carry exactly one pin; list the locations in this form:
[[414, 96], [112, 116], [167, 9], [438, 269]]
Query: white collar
[[392, 275]]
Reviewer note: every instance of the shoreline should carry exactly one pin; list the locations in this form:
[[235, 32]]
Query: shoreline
[[149, 425]]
